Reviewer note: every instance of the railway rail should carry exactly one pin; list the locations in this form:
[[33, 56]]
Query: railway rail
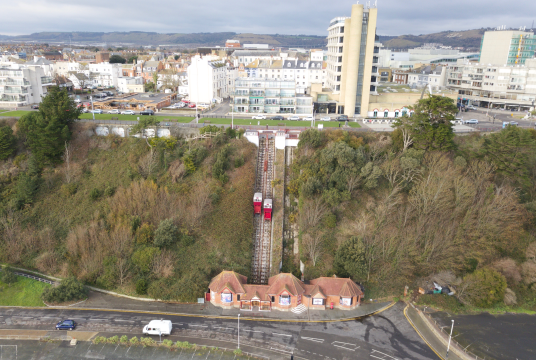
[[263, 228]]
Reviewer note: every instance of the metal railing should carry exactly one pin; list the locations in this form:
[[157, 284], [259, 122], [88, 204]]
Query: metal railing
[[46, 281]]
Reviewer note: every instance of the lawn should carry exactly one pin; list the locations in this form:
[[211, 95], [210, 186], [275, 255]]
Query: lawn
[[297, 123], [25, 292], [17, 113], [180, 119]]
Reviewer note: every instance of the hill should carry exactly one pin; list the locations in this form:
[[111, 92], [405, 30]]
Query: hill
[[469, 39]]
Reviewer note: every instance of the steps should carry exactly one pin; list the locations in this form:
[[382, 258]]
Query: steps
[[299, 309]]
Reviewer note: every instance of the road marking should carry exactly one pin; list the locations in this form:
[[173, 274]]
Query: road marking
[[313, 339], [347, 347], [97, 320], [253, 331], [124, 320], [281, 334], [198, 325], [177, 323], [376, 351], [225, 328]]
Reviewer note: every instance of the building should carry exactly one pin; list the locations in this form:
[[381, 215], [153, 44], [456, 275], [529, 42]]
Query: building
[[232, 44], [400, 77], [102, 56], [207, 79], [22, 85], [507, 47], [427, 75], [269, 96], [53, 55], [249, 56], [284, 292], [105, 74], [63, 68], [130, 84], [494, 86], [352, 60]]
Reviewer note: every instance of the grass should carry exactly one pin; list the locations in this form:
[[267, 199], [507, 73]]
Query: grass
[[179, 119], [25, 292], [452, 305], [16, 113]]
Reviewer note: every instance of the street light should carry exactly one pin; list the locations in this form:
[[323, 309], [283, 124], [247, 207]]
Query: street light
[[239, 331], [450, 337]]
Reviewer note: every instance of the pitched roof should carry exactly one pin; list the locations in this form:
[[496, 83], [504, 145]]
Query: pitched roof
[[253, 291], [314, 291], [253, 65], [226, 279], [277, 64], [283, 281], [337, 286], [255, 53]]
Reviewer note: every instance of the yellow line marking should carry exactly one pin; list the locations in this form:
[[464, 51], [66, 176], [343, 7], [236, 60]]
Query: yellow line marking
[[205, 316], [417, 331]]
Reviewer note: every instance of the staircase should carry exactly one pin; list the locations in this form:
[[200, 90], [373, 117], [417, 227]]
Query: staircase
[[299, 309]]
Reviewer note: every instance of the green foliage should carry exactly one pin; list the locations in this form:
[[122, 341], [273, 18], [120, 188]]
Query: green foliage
[[109, 191], [460, 162], [124, 339], [330, 221], [134, 341], [350, 259], [145, 233], [143, 258], [210, 129], [147, 341], [69, 289], [167, 233], [7, 276], [239, 161], [193, 158], [47, 130], [150, 87], [483, 288], [312, 138], [371, 173], [117, 59], [113, 340], [231, 133], [237, 352], [508, 150], [7, 142], [141, 287], [430, 125], [176, 57], [143, 124], [132, 59], [167, 343], [28, 183], [69, 189], [99, 340], [95, 194], [221, 164]]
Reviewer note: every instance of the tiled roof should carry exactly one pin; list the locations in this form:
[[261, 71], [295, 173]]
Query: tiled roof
[[314, 291], [277, 64], [337, 286], [255, 53], [253, 65], [287, 282], [253, 291], [228, 278]]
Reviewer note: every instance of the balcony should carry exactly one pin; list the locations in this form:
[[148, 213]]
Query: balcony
[[288, 95], [241, 102], [15, 91], [47, 80], [273, 94], [15, 82], [375, 60], [256, 93]]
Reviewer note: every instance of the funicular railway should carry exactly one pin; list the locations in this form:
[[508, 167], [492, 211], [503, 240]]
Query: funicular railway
[[262, 203]]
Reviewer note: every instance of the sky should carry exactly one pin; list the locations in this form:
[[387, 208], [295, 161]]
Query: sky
[[292, 17]]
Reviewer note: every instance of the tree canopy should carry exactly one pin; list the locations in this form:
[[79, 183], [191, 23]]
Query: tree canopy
[[7, 142], [116, 59]]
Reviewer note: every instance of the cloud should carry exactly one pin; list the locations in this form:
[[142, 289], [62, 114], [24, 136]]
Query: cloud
[[312, 17]]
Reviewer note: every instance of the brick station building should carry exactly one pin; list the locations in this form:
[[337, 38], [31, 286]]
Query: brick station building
[[284, 292]]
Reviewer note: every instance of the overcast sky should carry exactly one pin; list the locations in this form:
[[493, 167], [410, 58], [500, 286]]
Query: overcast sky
[[395, 17]]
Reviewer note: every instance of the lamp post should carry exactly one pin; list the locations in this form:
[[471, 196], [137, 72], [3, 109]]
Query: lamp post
[[92, 113], [239, 331], [450, 337]]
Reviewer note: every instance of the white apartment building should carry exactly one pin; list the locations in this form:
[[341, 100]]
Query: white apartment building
[[507, 47], [248, 56], [316, 55], [63, 68], [429, 75], [131, 84], [510, 87], [105, 74], [22, 85], [207, 80]]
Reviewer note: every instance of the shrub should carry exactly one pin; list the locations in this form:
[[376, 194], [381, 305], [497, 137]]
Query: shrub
[[509, 269], [330, 221], [109, 191], [95, 194], [69, 289], [141, 287], [167, 343], [124, 339], [167, 233], [69, 189], [184, 345], [239, 161], [99, 340], [147, 341], [144, 233], [134, 341], [7, 276], [113, 339], [237, 352], [483, 288]]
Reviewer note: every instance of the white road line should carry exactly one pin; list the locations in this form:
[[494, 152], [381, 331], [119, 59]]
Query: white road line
[[345, 348], [253, 331], [340, 342], [225, 328], [124, 320], [281, 334], [177, 323], [97, 319], [373, 351], [313, 339], [198, 325], [288, 352]]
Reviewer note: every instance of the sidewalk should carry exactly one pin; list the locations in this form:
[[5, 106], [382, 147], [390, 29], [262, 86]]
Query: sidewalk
[[109, 302], [432, 336]]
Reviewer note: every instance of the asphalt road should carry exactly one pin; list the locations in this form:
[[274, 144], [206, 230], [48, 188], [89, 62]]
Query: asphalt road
[[485, 117], [386, 336]]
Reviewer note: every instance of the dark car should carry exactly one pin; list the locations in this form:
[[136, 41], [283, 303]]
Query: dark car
[[66, 325], [278, 117], [35, 106], [342, 118], [147, 112]]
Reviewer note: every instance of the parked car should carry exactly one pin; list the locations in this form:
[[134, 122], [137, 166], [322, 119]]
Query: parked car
[[294, 117], [186, 101], [66, 325], [158, 327], [128, 112], [96, 111], [514, 123], [325, 118], [35, 106], [191, 106], [342, 118], [258, 117], [308, 118], [110, 93], [277, 117], [115, 111], [471, 107], [147, 112], [471, 121], [77, 100]]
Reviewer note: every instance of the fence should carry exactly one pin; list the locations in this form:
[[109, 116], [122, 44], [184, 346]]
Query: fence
[[33, 277]]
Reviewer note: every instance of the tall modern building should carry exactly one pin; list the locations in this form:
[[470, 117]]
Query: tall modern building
[[352, 60], [507, 47]]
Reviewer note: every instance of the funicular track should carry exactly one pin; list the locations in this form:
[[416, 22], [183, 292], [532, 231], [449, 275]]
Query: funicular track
[[263, 228]]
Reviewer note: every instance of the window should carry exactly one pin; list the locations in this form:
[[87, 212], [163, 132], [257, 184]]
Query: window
[[345, 301], [226, 297], [386, 114], [318, 301], [284, 300], [238, 297], [375, 113]]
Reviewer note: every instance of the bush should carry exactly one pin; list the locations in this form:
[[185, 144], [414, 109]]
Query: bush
[[167, 343], [147, 341], [7, 276], [167, 233], [237, 352], [69, 189], [483, 288], [99, 340], [184, 345], [134, 341], [144, 233], [141, 287], [113, 339], [124, 339], [95, 194], [69, 290], [239, 161], [109, 191]]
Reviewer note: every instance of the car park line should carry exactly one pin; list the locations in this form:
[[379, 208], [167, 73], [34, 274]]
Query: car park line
[[383, 355], [313, 339], [281, 334]]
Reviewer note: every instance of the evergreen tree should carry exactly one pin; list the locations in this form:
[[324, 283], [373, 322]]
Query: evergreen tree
[[7, 142], [350, 259], [28, 183]]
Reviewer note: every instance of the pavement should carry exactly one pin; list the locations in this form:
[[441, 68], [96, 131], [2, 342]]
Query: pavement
[[98, 300], [386, 335]]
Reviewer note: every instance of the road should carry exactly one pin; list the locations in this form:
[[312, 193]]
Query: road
[[386, 336], [485, 117]]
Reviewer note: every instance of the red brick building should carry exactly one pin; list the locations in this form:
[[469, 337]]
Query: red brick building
[[102, 56], [400, 77], [284, 292], [53, 56], [232, 44]]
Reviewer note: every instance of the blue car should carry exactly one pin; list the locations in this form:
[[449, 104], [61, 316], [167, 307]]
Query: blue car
[[66, 325]]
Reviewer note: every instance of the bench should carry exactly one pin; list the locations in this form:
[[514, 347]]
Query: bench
[[206, 122]]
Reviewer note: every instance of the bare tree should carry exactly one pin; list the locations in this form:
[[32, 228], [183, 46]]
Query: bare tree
[[406, 137], [312, 212], [314, 246], [147, 164], [67, 155]]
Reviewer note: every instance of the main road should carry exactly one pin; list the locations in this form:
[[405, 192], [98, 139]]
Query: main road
[[386, 335]]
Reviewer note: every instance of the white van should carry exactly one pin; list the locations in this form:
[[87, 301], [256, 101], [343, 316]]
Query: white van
[[158, 327]]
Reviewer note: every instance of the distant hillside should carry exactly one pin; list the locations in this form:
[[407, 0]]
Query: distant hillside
[[152, 38], [467, 39]]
